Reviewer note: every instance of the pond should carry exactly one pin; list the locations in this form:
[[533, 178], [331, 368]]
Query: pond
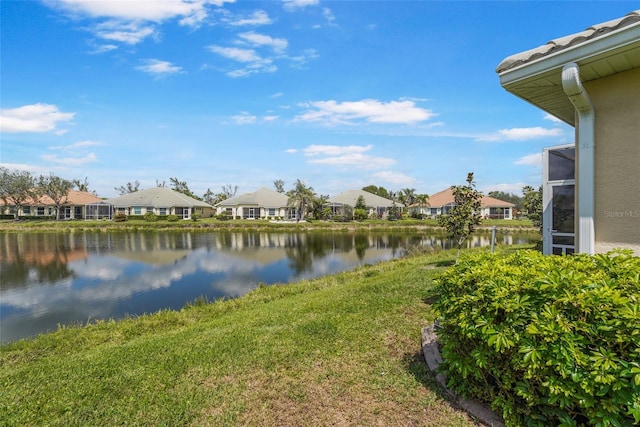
[[51, 279]]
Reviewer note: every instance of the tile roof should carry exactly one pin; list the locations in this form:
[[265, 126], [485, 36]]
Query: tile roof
[[74, 197], [350, 197], [262, 197], [445, 197], [555, 45], [159, 197]]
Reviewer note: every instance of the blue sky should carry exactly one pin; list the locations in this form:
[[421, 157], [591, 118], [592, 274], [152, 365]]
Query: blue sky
[[339, 94]]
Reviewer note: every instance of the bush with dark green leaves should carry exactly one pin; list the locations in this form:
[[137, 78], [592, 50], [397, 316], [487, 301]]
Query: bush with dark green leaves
[[172, 218], [546, 340], [150, 217]]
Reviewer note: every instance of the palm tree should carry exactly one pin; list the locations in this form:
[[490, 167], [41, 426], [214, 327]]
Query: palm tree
[[423, 201], [300, 198]]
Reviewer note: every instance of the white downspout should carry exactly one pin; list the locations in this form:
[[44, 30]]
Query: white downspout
[[585, 148]]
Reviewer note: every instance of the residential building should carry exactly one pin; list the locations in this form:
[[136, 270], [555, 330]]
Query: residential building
[[160, 201], [73, 206], [376, 206], [262, 203], [441, 203], [590, 80]]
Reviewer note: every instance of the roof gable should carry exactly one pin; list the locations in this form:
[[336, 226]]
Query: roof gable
[[261, 197], [445, 198], [156, 197], [350, 197]]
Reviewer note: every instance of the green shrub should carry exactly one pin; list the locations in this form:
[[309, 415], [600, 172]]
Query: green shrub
[[172, 218], [360, 214], [119, 217], [195, 216], [547, 340], [150, 217]]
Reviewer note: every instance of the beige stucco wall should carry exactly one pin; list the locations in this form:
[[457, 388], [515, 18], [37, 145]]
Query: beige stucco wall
[[617, 160]]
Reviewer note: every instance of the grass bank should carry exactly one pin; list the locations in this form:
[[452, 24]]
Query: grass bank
[[211, 224], [339, 350]]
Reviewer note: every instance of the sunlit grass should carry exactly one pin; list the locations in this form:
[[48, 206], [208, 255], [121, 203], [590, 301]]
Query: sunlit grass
[[339, 350]]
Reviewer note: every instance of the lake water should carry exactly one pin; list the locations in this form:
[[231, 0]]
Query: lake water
[[48, 279]]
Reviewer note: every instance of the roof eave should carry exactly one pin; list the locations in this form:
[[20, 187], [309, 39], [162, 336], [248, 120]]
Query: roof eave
[[546, 70]]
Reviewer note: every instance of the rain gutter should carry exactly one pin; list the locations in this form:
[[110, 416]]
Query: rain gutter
[[585, 144]]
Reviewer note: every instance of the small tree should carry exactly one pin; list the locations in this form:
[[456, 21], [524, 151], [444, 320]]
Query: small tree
[[130, 187], [532, 205], [464, 216], [18, 187], [360, 209], [279, 185], [56, 188]]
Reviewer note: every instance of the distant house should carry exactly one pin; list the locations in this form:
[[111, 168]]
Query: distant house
[[160, 201], [376, 205], [73, 206], [590, 80], [262, 203], [441, 203]]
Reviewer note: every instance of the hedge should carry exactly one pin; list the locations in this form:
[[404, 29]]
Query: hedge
[[546, 340]]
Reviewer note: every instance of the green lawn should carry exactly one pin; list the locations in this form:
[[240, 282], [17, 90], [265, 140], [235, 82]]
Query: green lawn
[[339, 350], [238, 224]]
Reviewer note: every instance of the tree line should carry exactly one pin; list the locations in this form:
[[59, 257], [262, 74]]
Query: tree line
[[22, 186]]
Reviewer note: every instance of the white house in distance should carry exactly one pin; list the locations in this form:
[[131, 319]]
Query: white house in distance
[[441, 203], [160, 201], [375, 204], [590, 80], [262, 203]]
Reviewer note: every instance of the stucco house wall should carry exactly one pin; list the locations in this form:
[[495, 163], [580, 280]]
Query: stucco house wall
[[617, 160]]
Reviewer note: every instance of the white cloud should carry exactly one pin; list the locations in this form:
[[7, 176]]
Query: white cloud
[[291, 150], [76, 145], [133, 21], [255, 63], [335, 150], [258, 17], [278, 45], [349, 155], [159, 68], [124, 32], [328, 15], [291, 5], [554, 119], [32, 118], [244, 119], [395, 178], [530, 160], [237, 54], [367, 110], [306, 56], [98, 49], [270, 118], [522, 134], [356, 160], [70, 161], [138, 10]]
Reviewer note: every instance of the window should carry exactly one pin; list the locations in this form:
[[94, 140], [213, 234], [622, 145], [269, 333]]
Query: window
[[149, 209], [162, 211], [137, 210], [562, 164], [272, 211], [40, 210], [26, 210]]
